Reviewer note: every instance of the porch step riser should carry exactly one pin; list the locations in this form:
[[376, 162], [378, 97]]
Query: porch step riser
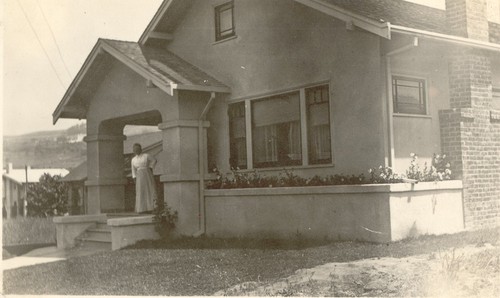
[[94, 244], [97, 236], [103, 226]]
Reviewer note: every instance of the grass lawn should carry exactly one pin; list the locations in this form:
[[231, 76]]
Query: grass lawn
[[28, 230], [204, 266], [23, 234]]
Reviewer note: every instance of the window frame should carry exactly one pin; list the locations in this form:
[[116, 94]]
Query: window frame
[[219, 36], [413, 78], [304, 126]]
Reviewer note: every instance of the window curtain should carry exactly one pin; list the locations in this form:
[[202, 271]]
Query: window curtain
[[266, 143], [319, 121], [321, 142], [294, 141]]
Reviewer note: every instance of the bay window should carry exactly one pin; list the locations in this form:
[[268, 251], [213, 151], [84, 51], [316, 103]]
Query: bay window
[[276, 131], [290, 129]]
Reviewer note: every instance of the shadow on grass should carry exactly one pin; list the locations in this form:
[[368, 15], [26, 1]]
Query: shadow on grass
[[21, 249], [401, 248], [229, 243]]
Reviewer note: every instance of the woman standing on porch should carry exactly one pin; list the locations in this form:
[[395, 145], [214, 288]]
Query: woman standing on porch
[[142, 172]]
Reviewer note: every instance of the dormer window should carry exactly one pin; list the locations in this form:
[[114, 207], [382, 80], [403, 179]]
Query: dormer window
[[224, 21]]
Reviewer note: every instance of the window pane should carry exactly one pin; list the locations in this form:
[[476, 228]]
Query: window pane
[[237, 138], [409, 95], [276, 131], [318, 116], [226, 20], [224, 24]]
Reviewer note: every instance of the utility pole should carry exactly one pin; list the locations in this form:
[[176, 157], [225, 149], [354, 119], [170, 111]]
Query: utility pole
[[25, 207]]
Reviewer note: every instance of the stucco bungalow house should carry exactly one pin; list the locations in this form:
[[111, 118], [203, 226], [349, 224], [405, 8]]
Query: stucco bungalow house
[[320, 86]]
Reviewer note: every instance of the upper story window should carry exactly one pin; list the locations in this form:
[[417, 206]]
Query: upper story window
[[409, 95], [224, 21]]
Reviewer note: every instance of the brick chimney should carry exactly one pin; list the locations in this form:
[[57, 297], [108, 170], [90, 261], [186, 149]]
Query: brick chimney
[[469, 69], [468, 18], [468, 135]]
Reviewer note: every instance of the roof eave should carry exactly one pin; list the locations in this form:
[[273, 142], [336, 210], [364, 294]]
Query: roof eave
[[63, 111], [58, 112], [201, 88], [452, 39], [101, 45], [154, 22], [381, 28]]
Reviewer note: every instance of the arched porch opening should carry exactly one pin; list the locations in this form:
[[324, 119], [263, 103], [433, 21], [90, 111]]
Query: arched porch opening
[[108, 162]]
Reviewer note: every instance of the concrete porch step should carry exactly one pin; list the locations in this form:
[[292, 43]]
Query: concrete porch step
[[103, 225], [122, 214], [85, 243], [97, 234]]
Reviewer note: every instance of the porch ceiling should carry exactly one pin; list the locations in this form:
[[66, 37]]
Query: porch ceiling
[[158, 66]]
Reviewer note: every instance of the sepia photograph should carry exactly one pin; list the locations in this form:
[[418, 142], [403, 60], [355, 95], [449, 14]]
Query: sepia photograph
[[317, 148]]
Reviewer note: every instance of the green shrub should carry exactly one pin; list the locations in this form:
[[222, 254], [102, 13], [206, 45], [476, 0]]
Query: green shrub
[[48, 197], [164, 219]]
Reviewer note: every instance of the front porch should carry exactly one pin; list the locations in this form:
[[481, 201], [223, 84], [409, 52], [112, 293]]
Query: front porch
[[106, 231]]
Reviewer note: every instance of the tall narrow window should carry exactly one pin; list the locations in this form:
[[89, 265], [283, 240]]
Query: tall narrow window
[[318, 123], [224, 21], [276, 131], [237, 131], [409, 95]]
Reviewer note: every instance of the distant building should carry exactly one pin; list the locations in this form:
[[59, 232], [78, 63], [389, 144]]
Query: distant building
[[14, 183], [76, 138]]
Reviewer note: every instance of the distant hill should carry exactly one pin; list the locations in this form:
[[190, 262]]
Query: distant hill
[[53, 149], [46, 149]]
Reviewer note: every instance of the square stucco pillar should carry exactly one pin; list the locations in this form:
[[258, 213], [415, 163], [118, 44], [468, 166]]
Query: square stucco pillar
[[181, 178], [105, 183]]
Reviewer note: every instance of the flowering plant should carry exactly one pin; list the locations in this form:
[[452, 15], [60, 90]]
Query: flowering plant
[[439, 170]]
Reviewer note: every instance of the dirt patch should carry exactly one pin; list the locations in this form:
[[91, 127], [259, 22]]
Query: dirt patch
[[466, 271]]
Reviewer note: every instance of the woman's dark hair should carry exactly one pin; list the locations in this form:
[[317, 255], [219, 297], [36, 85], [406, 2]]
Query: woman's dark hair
[[137, 144]]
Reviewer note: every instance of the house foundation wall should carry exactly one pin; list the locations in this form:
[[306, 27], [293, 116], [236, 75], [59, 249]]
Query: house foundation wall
[[375, 213]]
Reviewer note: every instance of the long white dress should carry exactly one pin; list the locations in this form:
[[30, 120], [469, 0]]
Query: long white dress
[[145, 186]]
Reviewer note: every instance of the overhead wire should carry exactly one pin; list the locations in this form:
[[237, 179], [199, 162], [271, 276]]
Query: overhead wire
[[41, 44], [54, 39]]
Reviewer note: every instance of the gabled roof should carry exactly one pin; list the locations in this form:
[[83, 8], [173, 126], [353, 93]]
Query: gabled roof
[[362, 13], [146, 140], [164, 69], [380, 17], [78, 173]]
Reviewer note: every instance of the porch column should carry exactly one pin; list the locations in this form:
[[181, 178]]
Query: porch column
[[181, 173], [105, 183]]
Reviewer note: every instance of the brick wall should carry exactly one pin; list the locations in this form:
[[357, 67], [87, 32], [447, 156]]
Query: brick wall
[[470, 130], [467, 18]]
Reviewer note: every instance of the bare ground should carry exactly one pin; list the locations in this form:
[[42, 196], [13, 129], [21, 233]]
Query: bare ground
[[463, 272]]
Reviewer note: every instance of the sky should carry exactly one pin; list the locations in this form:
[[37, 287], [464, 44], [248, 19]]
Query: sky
[[64, 32], [31, 88]]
